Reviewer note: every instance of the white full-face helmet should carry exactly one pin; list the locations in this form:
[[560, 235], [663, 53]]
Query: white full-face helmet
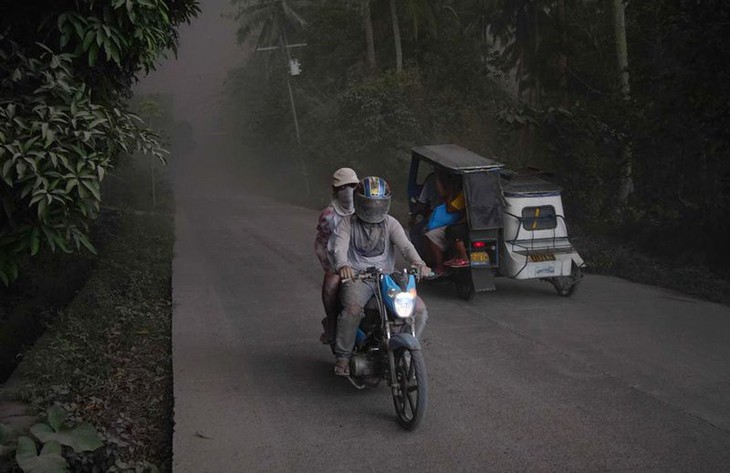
[[372, 199]]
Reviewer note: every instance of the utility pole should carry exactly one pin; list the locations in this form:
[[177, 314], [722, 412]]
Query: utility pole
[[285, 45], [292, 68]]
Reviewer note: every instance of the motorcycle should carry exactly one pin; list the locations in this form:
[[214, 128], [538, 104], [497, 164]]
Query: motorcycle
[[386, 347]]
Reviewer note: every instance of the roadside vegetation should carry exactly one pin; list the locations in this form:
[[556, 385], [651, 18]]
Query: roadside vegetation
[[85, 234], [66, 70], [105, 359], [623, 103]]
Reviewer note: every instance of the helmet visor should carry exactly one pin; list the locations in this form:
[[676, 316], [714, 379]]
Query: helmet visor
[[371, 210]]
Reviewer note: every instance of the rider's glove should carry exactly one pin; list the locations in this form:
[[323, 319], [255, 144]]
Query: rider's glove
[[347, 272]]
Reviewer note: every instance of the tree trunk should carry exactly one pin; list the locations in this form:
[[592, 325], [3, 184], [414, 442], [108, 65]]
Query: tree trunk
[[626, 185], [396, 36], [563, 55], [369, 39]]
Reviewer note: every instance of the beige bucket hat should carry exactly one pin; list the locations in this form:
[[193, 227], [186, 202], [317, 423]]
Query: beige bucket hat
[[343, 177]]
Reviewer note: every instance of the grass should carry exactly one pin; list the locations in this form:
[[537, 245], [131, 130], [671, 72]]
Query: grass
[[614, 256], [106, 357]]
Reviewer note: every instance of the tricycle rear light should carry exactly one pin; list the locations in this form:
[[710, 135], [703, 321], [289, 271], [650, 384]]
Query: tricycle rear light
[[479, 245]]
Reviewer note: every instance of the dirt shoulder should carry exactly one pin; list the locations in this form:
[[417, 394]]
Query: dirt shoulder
[[614, 257]]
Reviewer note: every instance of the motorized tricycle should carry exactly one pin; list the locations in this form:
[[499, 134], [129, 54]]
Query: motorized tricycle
[[513, 224]]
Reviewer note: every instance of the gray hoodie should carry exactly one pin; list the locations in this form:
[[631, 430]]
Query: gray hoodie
[[355, 239]]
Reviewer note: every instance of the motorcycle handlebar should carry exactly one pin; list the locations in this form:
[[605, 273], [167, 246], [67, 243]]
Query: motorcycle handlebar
[[372, 273]]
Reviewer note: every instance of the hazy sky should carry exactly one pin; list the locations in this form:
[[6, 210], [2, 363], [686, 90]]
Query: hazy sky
[[207, 51]]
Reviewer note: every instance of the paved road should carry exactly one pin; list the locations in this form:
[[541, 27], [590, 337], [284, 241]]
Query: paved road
[[619, 377]]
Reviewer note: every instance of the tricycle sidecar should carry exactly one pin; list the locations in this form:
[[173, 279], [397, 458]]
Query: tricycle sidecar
[[514, 225]]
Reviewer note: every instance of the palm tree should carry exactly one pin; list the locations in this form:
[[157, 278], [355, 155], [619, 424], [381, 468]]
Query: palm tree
[[269, 18]]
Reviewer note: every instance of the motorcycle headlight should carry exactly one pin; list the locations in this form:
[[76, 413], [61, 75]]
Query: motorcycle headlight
[[404, 304]]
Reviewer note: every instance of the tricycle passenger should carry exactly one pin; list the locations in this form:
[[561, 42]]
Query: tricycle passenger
[[451, 212], [344, 181], [369, 239]]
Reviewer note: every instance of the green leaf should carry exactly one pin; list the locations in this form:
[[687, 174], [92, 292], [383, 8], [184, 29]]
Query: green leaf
[[7, 437], [81, 438], [71, 184], [51, 447], [93, 187], [56, 417], [34, 242], [42, 206], [93, 51], [87, 40], [49, 461], [6, 172], [50, 136], [29, 143], [50, 237], [85, 241]]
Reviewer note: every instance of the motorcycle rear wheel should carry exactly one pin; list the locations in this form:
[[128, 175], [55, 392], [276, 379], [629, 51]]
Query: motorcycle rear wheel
[[410, 396]]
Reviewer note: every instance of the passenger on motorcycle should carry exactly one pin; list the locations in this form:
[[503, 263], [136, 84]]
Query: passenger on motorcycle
[[369, 238], [344, 181]]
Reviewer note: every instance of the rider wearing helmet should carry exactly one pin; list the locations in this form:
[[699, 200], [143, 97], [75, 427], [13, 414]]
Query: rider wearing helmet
[[369, 238]]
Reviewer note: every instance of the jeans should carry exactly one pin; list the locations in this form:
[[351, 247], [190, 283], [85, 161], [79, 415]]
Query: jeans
[[354, 295]]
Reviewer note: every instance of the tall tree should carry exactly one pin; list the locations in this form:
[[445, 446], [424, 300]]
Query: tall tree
[[622, 59], [396, 36], [369, 38]]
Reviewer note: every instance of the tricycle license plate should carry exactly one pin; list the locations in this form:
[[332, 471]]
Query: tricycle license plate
[[479, 257]]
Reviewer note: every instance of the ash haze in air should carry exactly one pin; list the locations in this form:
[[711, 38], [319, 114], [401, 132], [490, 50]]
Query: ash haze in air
[[195, 81]]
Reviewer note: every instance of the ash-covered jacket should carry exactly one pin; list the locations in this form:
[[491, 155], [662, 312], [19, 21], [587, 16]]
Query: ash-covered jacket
[[360, 245], [324, 242]]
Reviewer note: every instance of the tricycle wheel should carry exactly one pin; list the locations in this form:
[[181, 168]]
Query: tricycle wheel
[[410, 395], [565, 285], [464, 284]]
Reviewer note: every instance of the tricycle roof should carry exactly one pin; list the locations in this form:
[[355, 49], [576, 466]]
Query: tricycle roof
[[517, 185], [455, 158]]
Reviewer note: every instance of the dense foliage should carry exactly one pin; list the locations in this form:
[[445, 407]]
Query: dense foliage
[[66, 68], [535, 82]]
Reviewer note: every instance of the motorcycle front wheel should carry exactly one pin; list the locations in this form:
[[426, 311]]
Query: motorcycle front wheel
[[410, 395]]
